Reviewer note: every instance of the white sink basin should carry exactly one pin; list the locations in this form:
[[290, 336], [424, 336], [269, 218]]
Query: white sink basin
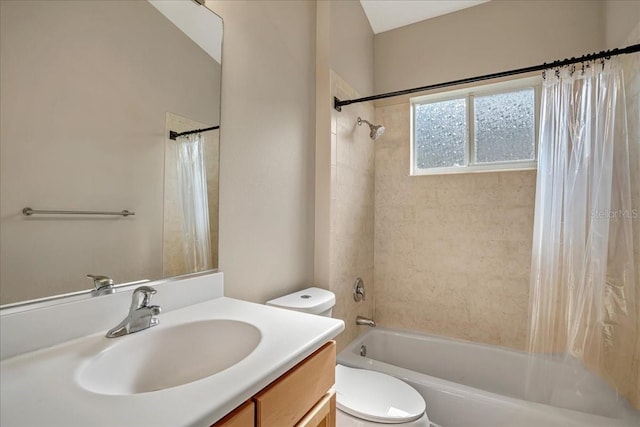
[[158, 359]]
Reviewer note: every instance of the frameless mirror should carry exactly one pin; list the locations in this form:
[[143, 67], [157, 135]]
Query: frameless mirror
[[89, 91]]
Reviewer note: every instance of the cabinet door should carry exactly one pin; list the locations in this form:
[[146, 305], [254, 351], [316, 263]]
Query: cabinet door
[[242, 416], [323, 414], [286, 401]]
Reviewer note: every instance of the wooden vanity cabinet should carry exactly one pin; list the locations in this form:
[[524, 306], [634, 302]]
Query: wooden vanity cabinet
[[242, 416], [323, 414], [301, 397]]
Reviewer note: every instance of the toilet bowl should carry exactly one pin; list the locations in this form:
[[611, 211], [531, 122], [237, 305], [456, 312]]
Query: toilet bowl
[[364, 398]]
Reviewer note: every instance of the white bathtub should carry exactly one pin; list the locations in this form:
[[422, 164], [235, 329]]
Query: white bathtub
[[473, 385]]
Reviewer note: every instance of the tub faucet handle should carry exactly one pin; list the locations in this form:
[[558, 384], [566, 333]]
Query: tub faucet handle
[[358, 290]]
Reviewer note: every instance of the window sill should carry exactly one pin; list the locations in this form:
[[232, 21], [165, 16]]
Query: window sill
[[489, 167]]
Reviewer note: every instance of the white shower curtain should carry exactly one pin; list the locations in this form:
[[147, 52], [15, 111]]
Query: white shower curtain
[[192, 186], [582, 297]]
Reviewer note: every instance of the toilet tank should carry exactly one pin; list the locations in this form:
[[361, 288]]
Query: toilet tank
[[311, 300]]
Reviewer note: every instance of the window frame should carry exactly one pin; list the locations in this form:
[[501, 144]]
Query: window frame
[[469, 95]]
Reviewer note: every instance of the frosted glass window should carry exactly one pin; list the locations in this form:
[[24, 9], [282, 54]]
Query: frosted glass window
[[505, 126], [440, 137], [490, 127]]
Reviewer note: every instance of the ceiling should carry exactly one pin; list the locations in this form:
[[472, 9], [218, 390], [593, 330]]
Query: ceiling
[[197, 22], [385, 15]]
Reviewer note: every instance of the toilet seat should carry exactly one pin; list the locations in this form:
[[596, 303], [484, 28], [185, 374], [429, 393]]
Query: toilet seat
[[376, 397]]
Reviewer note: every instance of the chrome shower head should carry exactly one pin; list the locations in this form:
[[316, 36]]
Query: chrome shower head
[[376, 130]]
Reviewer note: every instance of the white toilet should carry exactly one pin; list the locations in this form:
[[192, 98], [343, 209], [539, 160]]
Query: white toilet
[[363, 398]]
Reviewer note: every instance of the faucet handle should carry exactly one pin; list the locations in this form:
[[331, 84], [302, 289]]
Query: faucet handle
[[100, 282], [358, 290], [142, 296]]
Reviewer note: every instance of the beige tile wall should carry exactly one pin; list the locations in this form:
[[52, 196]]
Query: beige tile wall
[[352, 210], [452, 252]]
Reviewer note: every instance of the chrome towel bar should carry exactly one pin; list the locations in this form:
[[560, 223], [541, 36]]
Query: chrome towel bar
[[28, 212]]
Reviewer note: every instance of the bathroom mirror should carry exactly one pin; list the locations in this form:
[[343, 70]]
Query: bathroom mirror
[[89, 92]]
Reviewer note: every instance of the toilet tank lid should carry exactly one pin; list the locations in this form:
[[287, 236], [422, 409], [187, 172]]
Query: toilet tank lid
[[310, 300]]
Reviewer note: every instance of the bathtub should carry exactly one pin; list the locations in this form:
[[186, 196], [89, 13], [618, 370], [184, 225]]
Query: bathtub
[[473, 385]]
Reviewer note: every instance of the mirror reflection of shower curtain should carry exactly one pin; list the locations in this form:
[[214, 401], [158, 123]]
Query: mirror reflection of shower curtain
[[192, 187], [582, 295]]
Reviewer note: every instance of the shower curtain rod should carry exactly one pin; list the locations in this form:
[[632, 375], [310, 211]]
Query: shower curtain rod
[[173, 135], [338, 104]]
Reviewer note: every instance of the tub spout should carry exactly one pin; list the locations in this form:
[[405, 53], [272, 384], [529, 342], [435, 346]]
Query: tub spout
[[363, 321]]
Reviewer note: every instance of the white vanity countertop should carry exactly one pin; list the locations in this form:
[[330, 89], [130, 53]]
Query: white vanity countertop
[[40, 387]]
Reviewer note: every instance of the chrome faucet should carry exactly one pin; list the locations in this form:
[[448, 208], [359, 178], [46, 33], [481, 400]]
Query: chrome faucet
[[363, 321], [141, 314], [103, 285]]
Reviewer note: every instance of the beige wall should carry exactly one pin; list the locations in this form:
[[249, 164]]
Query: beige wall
[[267, 147], [452, 252], [491, 37], [82, 127], [323, 149], [351, 49], [621, 16]]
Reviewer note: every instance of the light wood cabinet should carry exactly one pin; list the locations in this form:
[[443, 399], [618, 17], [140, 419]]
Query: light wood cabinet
[[301, 397], [323, 414], [287, 400], [242, 416]]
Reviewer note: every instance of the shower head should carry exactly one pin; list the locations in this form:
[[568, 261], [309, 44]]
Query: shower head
[[376, 130]]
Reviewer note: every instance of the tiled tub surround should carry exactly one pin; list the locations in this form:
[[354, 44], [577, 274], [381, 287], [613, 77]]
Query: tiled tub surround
[[43, 374], [467, 384], [351, 209], [452, 252]]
